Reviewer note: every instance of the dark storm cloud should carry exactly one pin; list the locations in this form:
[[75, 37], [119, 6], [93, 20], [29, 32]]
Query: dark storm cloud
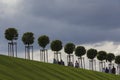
[[90, 13], [82, 20]]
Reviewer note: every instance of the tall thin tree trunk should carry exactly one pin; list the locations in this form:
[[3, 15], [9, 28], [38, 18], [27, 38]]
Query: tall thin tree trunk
[[99, 66], [54, 54], [47, 55], [69, 58], [118, 70], [40, 55], [110, 66], [60, 57], [25, 52], [32, 52], [84, 62], [81, 62], [28, 52], [16, 49], [12, 48], [102, 65], [44, 54], [95, 64], [92, 64], [8, 49], [57, 55]]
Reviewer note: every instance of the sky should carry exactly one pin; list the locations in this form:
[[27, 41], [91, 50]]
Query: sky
[[91, 23]]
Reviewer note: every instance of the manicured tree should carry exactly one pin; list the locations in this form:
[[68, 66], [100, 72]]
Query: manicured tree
[[28, 40], [117, 61], [56, 46], [101, 56], [69, 48], [79, 52], [91, 54], [11, 34], [43, 41], [110, 57]]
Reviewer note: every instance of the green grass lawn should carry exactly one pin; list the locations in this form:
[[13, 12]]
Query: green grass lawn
[[20, 69]]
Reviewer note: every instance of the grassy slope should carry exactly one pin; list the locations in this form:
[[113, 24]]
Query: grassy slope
[[20, 69]]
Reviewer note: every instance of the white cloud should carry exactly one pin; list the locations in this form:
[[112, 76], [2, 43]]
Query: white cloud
[[108, 46]]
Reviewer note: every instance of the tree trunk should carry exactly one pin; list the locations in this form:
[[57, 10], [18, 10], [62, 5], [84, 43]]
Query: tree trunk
[[69, 58], [16, 49], [43, 54], [81, 62], [25, 52], [118, 68], [28, 52], [92, 64], [57, 55], [95, 65], [102, 65], [32, 52], [110, 64], [12, 48], [8, 49], [84, 62], [47, 55]]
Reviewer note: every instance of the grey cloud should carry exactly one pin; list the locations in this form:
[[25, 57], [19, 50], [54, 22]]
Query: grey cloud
[[100, 13]]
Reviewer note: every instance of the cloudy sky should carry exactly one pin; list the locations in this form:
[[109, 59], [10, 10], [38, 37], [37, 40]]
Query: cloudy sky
[[91, 23]]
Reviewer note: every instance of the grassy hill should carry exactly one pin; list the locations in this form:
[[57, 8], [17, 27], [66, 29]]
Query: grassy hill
[[20, 69]]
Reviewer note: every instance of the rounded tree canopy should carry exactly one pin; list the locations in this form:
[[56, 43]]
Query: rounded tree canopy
[[110, 57], [117, 59], [11, 34], [80, 51], [28, 38], [101, 55], [91, 53], [69, 48], [43, 41], [56, 45]]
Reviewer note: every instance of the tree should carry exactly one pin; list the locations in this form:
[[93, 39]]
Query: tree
[[80, 51], [91, 54], [117, 61], [43, 41], [110, 57], [28, 40], [101, 56], [56, 46], [11, 34], [69, 48]]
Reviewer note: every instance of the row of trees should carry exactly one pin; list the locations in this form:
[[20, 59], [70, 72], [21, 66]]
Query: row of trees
[[11, 34]]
